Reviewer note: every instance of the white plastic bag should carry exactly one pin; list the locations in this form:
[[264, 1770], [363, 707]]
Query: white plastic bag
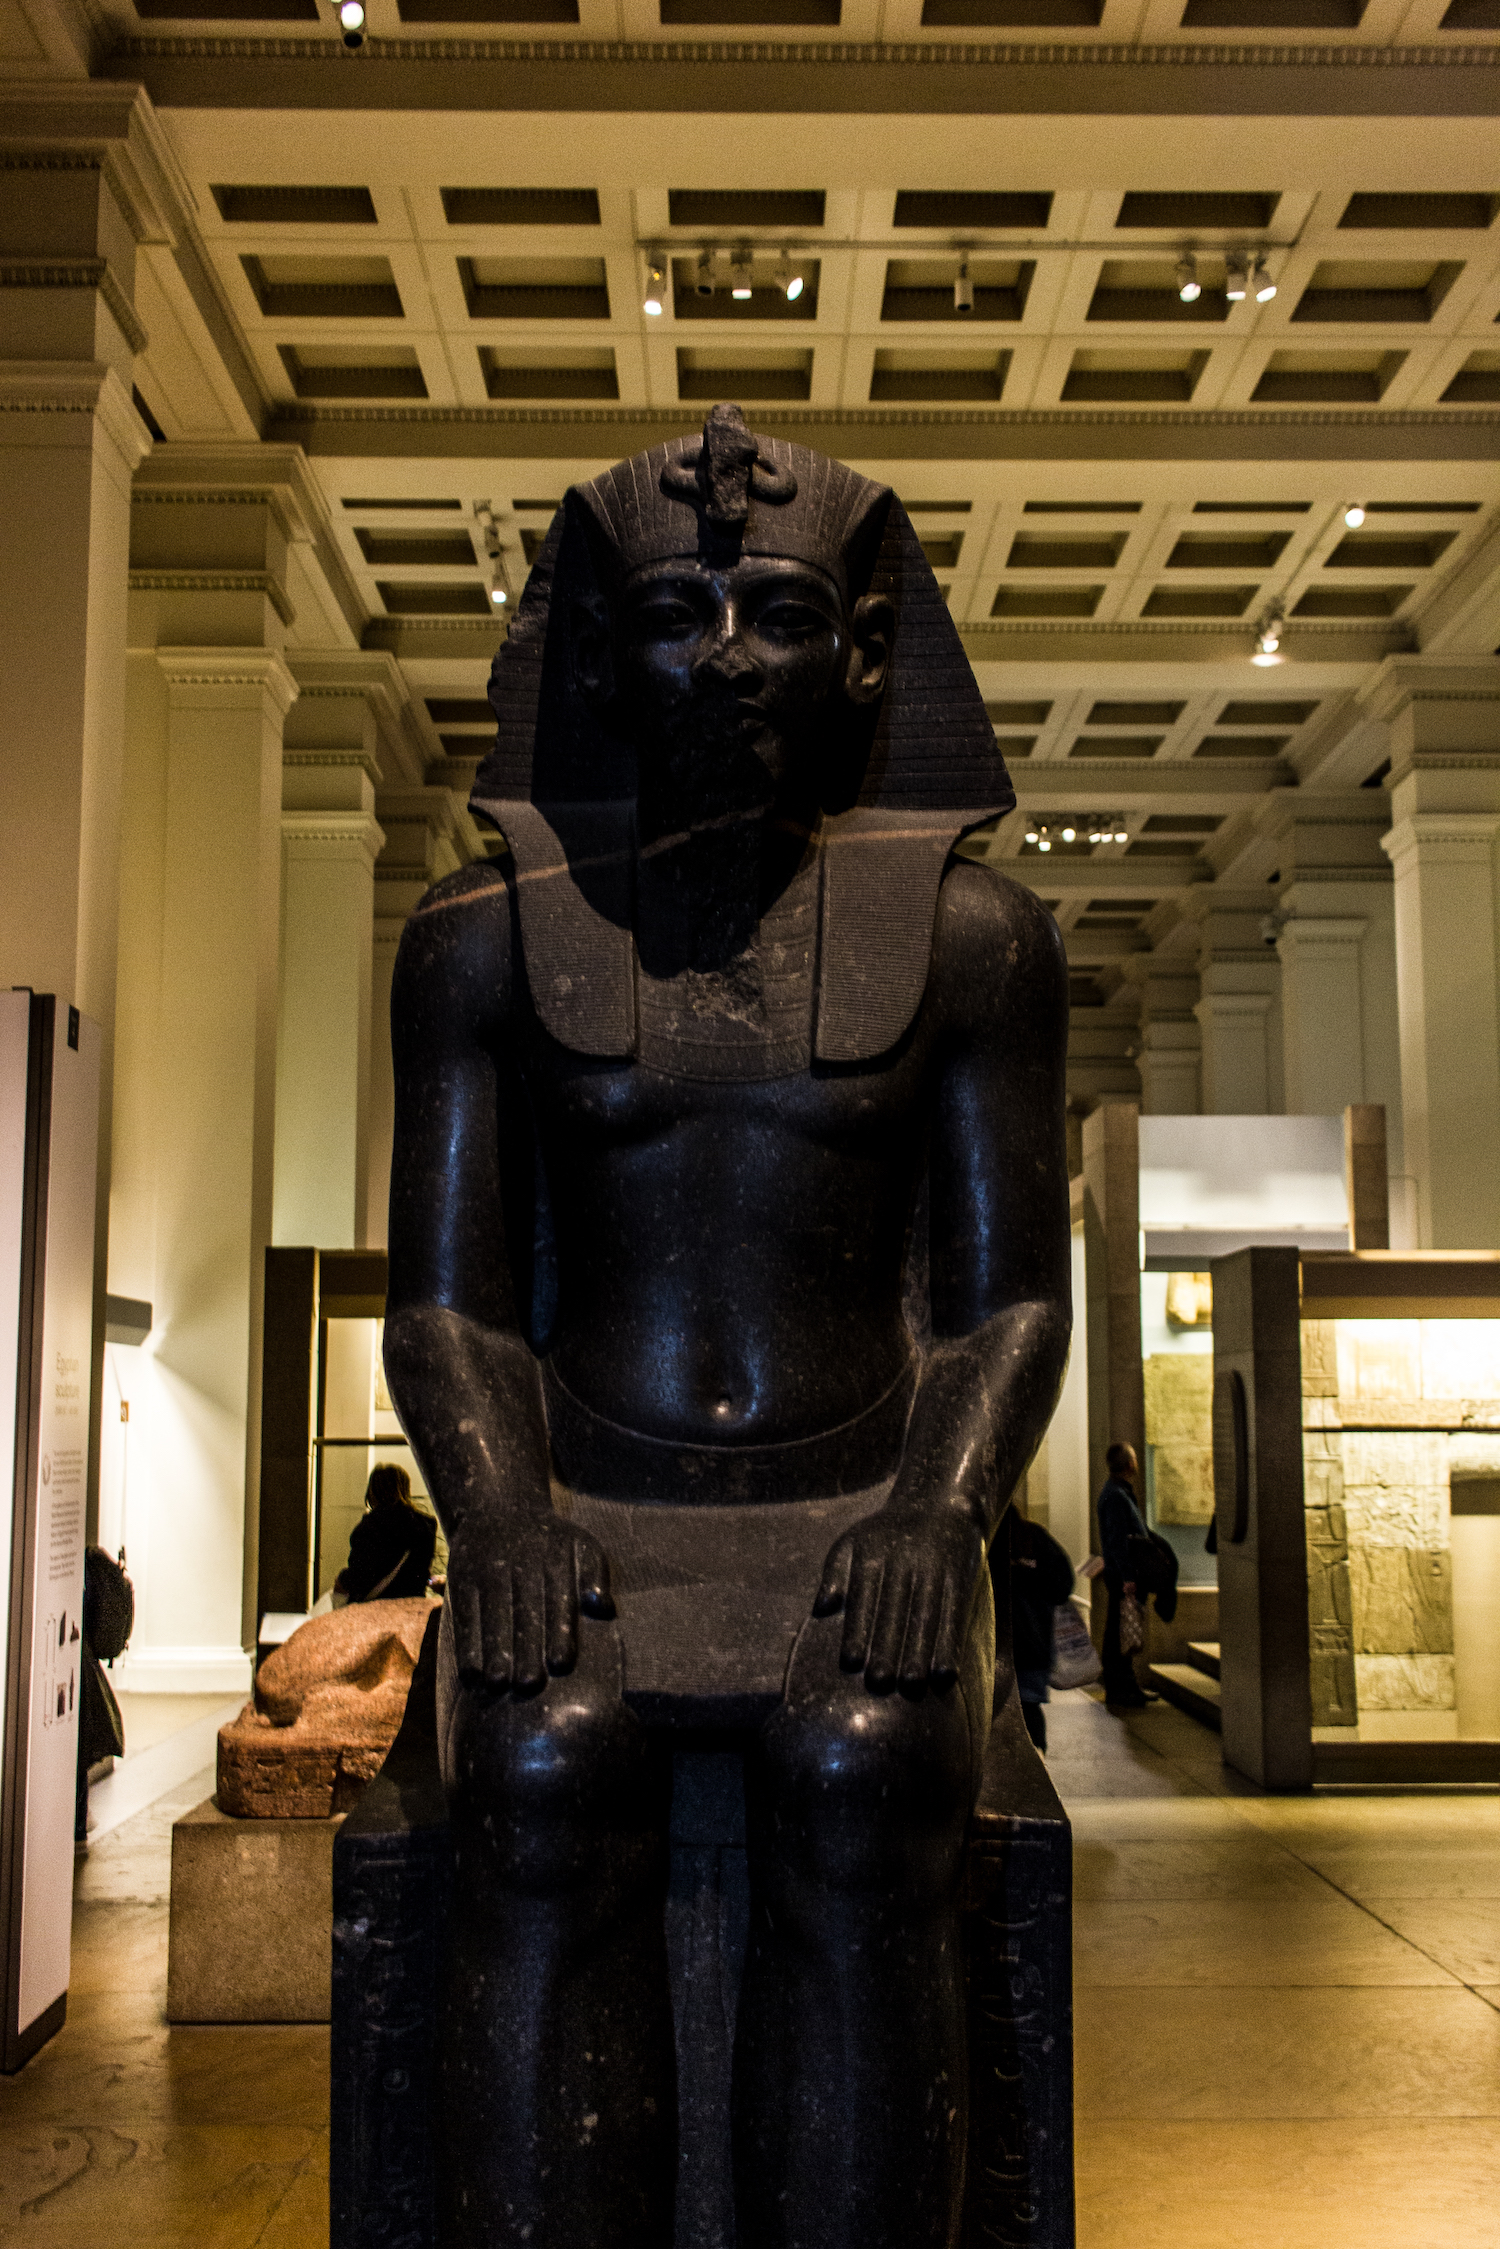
[[1075, 1661]]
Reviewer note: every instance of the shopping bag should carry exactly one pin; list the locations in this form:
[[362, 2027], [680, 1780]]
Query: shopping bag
[[1075, 1661]]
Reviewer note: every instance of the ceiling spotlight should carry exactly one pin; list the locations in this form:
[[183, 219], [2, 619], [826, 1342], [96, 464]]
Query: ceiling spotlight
[[741, 281], [1097, 835], [1354, 515], [1189, 287], [498, 594], [963, 301], [1268, 640], [1261, 282], [704, 284], [1070, 835], [1033, 836], [352, 17], [1044, 842], [656, 288], [1121, 836], [788, 279], [1236, 277]]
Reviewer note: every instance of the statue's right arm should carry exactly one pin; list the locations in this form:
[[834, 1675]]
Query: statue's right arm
[[464, 1378]]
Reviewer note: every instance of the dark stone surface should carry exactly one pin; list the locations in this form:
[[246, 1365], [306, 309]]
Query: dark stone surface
[[728, 1301], [1265, 1660], [392, 1878]]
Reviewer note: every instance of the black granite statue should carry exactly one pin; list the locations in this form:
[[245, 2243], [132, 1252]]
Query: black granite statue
[[729, 1298]]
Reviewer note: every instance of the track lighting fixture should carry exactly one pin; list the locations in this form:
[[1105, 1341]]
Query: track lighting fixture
[[741, 276], [704, 284], [352, 18], [963, 288], [498, 594], [1189, 287], [1354, 514], [1261, 282], [788, 279], [1236, 277], [654, 300]]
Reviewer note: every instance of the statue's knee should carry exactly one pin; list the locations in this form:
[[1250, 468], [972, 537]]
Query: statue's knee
[[863, 1790], [537, 1784]]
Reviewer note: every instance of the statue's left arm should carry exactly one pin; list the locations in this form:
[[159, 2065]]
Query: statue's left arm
[[1000, 1280]]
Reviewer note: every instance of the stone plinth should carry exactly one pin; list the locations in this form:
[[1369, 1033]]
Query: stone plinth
[[251, 1919]]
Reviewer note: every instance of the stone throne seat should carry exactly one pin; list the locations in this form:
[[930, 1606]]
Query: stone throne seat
[[706, 1657]]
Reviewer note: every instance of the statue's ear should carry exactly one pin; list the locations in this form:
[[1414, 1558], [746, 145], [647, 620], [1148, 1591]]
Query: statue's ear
[[872, 630], [593, 656]]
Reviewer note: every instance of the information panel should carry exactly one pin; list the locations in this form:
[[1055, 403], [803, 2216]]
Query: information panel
[[47, 1204]]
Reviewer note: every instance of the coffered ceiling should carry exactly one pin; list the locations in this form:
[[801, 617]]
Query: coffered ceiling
[[425, 263]]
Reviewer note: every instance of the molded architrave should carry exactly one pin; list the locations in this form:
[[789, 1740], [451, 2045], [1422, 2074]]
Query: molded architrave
[[746, 77]]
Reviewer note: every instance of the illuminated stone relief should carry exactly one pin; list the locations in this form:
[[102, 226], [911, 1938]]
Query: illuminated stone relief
[[1392, 1409]]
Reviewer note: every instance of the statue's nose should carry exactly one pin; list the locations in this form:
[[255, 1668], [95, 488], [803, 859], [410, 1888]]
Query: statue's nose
[[730, 661]]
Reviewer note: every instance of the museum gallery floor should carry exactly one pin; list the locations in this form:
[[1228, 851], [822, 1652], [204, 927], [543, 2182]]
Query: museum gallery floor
[[1288, 2029]]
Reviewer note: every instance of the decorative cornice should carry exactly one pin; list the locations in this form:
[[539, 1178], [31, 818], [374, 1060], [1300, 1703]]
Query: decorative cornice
[[217, 581], [232, 669], [822, 53], [671, 418], [316, 759], [79, 273], [88, 389], [1461, 838], [334, 832]]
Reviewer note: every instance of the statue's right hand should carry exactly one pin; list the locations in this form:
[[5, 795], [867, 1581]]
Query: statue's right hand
[[514, 1592]]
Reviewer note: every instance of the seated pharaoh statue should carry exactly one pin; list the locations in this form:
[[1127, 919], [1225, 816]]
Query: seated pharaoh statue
[[729, 1299]]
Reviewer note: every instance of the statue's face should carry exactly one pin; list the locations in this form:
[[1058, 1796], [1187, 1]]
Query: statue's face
[[715, 668]]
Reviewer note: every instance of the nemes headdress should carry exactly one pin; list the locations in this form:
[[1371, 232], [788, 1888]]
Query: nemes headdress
[[560, 781]]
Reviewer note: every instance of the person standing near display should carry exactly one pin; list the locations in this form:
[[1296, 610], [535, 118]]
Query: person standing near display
[[1041, 1579], [391, 1547], [1120, 1520]]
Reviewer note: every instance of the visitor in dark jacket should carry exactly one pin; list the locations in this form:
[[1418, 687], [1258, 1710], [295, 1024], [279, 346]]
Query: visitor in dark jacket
[[108, 1620], [1041, 1577], [1120, 1520], [391, 1546]]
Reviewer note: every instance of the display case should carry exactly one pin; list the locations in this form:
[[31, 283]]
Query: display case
[[326, 1419], [1357, 1494]]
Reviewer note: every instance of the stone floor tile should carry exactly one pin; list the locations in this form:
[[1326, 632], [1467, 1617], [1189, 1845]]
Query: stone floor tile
[[1265, 1940], [1211, 2054], [1461, 1934], [129, 2184], [1288, 2185]]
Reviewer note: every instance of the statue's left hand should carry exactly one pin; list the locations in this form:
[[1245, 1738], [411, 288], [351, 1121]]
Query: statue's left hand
[[906, 1584]]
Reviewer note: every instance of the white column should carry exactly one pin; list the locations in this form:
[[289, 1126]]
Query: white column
[[330, 839], [1323, 1042], [1167, 1047], [70, 440], [1445, 802], [197, 1102], [1236, 1064]]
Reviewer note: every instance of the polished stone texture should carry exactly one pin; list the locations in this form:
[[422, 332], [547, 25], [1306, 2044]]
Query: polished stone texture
[[1287, 2022]]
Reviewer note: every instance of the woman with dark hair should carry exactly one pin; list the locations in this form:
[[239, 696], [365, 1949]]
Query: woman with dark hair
[[391, 1548]]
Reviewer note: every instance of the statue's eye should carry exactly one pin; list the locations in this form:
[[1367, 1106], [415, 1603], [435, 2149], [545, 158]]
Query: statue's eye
[[669, 620], [791, 620]]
